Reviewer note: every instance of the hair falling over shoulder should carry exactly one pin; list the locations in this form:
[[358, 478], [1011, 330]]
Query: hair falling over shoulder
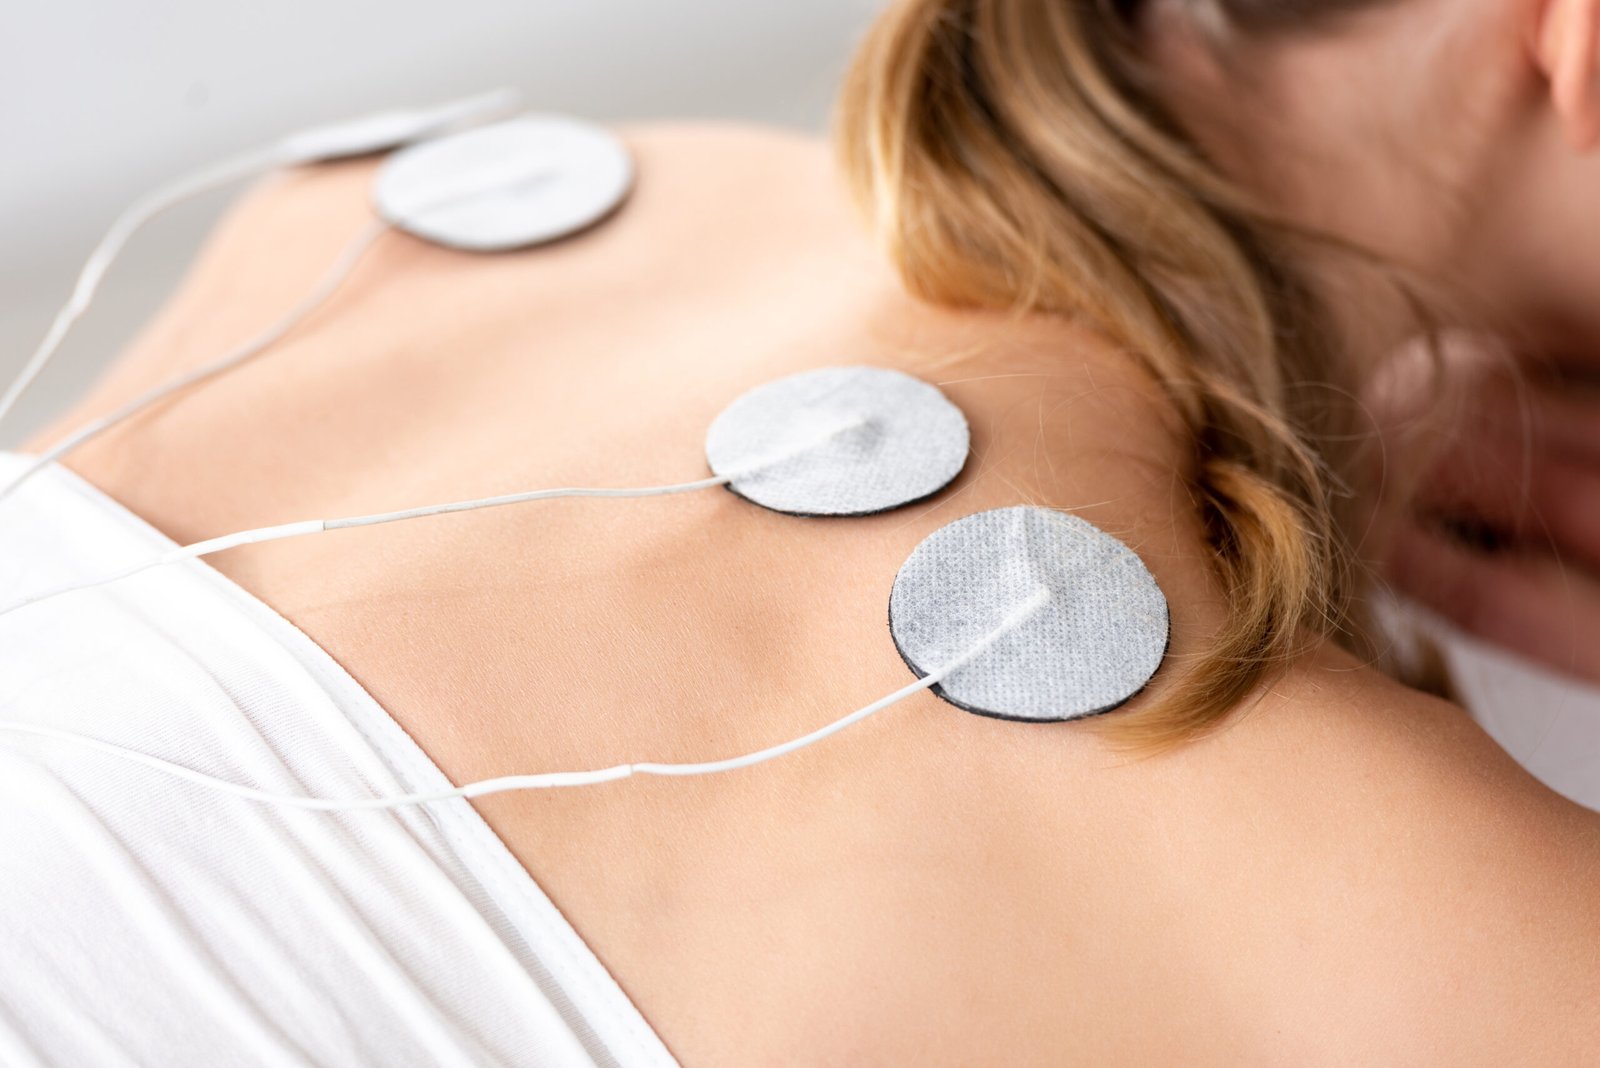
[[1006, 157]]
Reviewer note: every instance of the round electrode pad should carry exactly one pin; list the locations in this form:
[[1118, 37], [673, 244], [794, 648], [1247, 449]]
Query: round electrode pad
[[506, 186], [1097, 639], [840, 441]]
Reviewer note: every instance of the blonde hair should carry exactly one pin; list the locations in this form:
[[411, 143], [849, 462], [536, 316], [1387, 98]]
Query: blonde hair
[[1008, 157]]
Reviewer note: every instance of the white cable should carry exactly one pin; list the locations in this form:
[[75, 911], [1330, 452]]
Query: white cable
[[304, 307], [542, 780], [358, 136], [521, 498], [319, 294], [137, 214], [316, 526]]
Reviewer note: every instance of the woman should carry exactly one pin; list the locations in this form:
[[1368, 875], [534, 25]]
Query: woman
[[1216, 219]]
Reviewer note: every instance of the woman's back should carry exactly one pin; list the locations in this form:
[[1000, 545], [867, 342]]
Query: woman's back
[[1347, 872]]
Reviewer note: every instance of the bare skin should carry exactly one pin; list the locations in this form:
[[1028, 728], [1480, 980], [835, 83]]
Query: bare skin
[[1349, 873]]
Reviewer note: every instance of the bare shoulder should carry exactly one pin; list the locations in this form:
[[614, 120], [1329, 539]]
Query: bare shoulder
[[747, 143], [696, 171], [726, 166], [716, 195]]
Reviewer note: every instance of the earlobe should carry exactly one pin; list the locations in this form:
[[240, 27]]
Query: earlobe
[[1566, 50]]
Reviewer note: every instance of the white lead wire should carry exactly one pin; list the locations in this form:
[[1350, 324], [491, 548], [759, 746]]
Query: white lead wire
[[326, 286], [317, 526], [298, 313], [105, 253], [541, 780], [319, 294], [307, 146], [282, 531]]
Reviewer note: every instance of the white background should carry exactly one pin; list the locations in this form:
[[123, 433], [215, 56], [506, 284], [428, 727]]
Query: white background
[[102, 99]]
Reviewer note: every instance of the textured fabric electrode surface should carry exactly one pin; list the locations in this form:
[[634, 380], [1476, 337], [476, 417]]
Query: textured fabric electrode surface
[[1096, 642], [847, 440], [510, 185]]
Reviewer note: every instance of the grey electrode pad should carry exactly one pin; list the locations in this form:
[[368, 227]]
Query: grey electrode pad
[[1094, 643], [840, 441], [510, 185]]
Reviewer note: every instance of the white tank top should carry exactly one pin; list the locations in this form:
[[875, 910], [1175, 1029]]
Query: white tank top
[[144, 920]]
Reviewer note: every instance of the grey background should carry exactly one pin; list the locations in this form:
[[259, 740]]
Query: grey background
[[104, 99]]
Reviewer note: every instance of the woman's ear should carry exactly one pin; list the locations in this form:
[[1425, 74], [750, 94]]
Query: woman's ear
[[1565, 49]]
